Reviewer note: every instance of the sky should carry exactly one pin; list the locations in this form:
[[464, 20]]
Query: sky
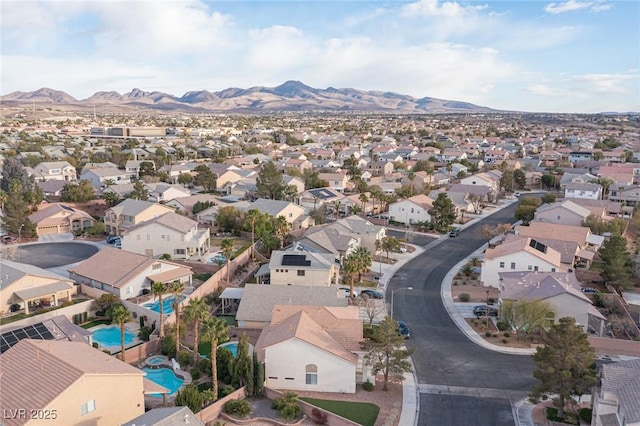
[[570, 56]]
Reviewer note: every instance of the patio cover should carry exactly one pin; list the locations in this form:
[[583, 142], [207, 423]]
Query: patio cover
[[43, 290], [586, 254], [232, 293], [170, 275], [149, 386], [264, 270]]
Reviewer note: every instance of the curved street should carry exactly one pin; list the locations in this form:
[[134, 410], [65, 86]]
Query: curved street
[[460, 383]]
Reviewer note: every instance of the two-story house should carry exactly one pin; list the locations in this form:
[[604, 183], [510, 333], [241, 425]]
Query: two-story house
[[130, 212], [169, 233], [55, 170], [411, 210], [303, 269]]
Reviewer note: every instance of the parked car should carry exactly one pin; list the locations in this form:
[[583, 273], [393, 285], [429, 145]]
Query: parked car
[[346, 290], [516, 194], [454, 233], [485, 310], [589, 290], [113, 239], [403, 330], [8, 239], [118, 244], [372, 294]]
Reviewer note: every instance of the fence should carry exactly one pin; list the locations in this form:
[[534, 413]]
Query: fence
[[67, 311], [211, 412], [142, 351]]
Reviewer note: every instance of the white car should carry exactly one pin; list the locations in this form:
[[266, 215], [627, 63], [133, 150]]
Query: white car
[[345, 290], [516, 194]]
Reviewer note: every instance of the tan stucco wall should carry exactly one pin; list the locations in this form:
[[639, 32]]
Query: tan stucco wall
[[28, 281], [491, 267], [311, 278]]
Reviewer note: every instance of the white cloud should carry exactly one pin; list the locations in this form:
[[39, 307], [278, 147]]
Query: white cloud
[[568, 6], [605, 83], [436, 8], [601, 8]]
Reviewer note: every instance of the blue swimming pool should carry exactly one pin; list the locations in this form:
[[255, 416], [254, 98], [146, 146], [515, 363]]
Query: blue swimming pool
[[167, 304], [110, 336], [164, 377], [232, 346]]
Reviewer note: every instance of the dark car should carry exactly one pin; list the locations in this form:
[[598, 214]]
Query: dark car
[[113, 239], [372, 294], [485, 310], [455, 232], [8, 239], [403, 330]]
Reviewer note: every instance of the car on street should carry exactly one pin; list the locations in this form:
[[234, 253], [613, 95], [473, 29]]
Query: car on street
[[485, 310], [113, 239], [403, 330], [589, 290], [454, 233], [516, 194], [8, 239], [345, 291], [372, 294], [118, 244]]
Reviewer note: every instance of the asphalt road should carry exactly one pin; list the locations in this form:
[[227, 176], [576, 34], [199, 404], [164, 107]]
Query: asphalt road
[[443, 355], [51, 255]]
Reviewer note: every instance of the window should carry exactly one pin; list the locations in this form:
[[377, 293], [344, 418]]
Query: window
[[530, 267], [179, 251], [129, 289], [311, 374], [300, 273], [156, 266], [513, 265], [535, 268], [553, 269], [502, 264], [88, 407]]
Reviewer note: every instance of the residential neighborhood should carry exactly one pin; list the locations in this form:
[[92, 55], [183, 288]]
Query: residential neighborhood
[[196, 261]]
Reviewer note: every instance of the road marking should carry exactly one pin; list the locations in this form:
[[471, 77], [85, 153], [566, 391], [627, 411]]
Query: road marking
[[512, 395]]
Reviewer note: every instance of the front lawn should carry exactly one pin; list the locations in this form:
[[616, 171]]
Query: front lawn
[[359, 412]]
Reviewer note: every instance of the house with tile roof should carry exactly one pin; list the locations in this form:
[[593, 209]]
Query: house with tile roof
[[616, 398], [27, 287], [560, 289], [411, 210], [130, 212], [169, 233], [58, 218], [126, 274], [627, 196], [548, 233], [562, 212], [73, 382], [166, 416], [98, 176], [293, 213], [258, 301], [161, 192], [327, 239], [589, 191], [303, 268], [519, 254], [313, 348], [55, 170]]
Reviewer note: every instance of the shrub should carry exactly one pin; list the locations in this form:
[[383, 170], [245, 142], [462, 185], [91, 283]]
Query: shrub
[[507, 334], [195, 373], [165, 256], [287, 406], [319, 417], [95, 345], [368, 386], [238, 408], [504, 340], [488, 333], [168, 345], [464, 297], [144, 333], [290, 411], [585, 415], [204, 365], [502, 326], [184, 358], [227, 390]]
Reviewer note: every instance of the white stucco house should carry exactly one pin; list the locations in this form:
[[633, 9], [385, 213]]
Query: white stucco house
[[411, 210], [313, 348], [589, 191], [616, 398], [169, 233], [519, 254], [303, 268]]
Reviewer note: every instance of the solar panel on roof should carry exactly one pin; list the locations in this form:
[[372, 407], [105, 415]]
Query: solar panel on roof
[[37, 331], [47, 335], [538, 246], [10, 338], [40, 327], [21, 334], [295, 260], [32, 332], [67, 208]]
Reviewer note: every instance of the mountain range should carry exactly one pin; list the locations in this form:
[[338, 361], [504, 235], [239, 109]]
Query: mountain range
[[289, 96]]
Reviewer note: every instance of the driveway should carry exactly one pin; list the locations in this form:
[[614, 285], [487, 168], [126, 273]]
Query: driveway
[[452, 371], [53, 255]]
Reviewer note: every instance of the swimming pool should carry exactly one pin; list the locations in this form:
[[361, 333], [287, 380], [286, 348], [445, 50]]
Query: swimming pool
[[232, 346], [110, 336], [156, 360], [167, 305], [164, 377]]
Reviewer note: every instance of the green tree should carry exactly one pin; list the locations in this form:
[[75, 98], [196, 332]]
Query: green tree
[[196, 312], [363, 259], [79, 192], [281, 228], [269, 182], [147, 168], [15, 215], [242, 365], [111, 197], [105, 302], [258, 376], [177, 287], [312, 180], [526, 209], [520, 178], [549, 181], [565, 364], [443, 213], [385, 352], [227, 250], [228, 218], [250, 220], [364, 200], [139, 191], [618, 267], [548, 198], [158, 290], [190, 396], [205, 178], [185, 179], [213, 330], [526, 316], [390, 244], [349, 266], [120, 315], [507, 180]]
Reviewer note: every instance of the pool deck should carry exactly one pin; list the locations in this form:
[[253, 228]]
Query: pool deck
[[154, 401]]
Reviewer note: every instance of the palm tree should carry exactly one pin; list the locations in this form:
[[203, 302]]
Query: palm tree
[[281, 228], [214, 329], [120, 315], [251, 218], [196, 311], [336, 209], [177, 288], [363, 259], [227, 250], [350, 270], [158, 289], [364, 199]]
